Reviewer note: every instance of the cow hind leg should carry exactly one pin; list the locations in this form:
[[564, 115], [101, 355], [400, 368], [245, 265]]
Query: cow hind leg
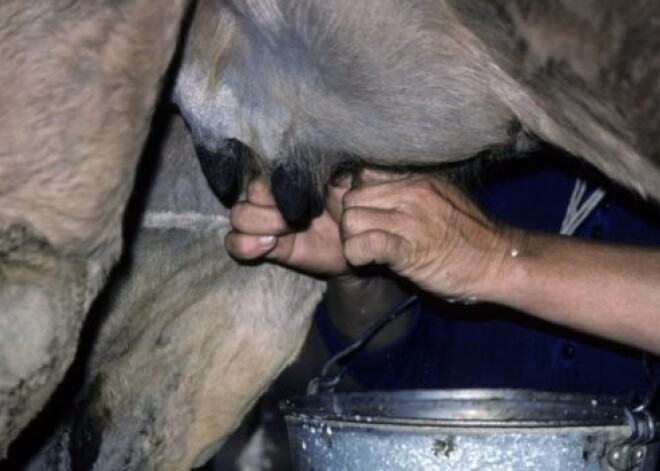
[[43, 300], [78, 86]]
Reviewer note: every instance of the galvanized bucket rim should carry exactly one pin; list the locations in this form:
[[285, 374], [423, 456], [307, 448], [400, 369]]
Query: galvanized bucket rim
[[585, 410]]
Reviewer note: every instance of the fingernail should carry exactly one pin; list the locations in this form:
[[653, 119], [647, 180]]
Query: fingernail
[[267, 241]]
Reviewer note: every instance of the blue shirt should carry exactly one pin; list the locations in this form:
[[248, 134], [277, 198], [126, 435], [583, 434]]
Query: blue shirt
[[489, 346]]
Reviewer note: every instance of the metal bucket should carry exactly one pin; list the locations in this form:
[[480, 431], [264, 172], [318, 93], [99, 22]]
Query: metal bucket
[[465, 430]]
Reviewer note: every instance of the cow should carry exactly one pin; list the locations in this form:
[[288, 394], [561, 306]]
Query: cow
[[165, 377], [78, 86], [288, 88]]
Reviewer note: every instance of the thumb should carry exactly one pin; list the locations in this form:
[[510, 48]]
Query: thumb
[[374, 246]]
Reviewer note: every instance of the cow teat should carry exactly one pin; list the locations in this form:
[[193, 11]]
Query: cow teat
[[223, 169], [295, 193]]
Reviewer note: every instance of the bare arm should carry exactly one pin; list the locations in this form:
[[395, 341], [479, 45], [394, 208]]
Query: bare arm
[[610, 290], [427, 231]]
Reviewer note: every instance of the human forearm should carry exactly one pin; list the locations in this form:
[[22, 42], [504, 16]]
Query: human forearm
[[428, 231], [608, 290]]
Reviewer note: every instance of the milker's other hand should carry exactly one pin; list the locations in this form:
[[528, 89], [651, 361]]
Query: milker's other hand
[[260, 233], [426, 230]]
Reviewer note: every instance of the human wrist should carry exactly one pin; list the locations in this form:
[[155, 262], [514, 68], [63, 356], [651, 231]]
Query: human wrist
[[353, 303], [508, 275], [501, 266], [355, 292]]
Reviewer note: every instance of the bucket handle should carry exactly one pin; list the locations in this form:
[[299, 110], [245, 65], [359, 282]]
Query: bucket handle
[[329, 379]]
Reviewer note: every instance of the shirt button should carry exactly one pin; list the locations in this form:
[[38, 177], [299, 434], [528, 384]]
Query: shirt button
[[568, 351], [597, 232]]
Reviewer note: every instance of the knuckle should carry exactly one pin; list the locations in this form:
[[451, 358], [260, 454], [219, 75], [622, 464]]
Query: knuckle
[[236, 215], [424, 189], [239, 246], [376, 242], [348, 247], [350, 220], [348, 198], [277, 224], [351, 198], [353, 251]]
